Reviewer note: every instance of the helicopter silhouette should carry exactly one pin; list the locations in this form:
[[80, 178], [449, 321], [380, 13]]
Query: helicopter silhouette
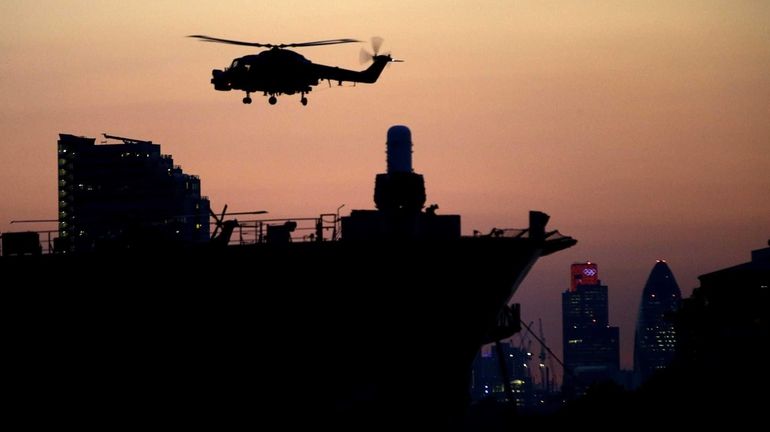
[[278, 71]]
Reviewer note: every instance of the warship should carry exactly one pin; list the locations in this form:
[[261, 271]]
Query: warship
[[374, 327]]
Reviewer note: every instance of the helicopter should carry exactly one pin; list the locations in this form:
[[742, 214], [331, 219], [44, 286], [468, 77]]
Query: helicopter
[[278, 70]]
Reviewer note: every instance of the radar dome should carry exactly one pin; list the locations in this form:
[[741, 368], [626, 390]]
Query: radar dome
[[399, 151]]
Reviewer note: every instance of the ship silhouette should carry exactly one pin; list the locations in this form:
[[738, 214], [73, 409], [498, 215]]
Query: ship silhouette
[[375, 328]]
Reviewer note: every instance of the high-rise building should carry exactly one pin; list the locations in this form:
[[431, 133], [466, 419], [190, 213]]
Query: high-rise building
[[118, 195], [591, 345], [487, 378], [655, 339], [584, 274]]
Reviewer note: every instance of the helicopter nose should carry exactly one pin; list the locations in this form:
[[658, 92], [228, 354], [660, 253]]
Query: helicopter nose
[[219, 79]]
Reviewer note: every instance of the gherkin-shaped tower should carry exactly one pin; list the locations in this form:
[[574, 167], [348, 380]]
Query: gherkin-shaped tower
[[655, 340]]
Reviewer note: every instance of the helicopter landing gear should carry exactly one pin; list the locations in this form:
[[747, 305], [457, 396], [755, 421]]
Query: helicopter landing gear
[[272, 100], [303, 101], [247, 99]]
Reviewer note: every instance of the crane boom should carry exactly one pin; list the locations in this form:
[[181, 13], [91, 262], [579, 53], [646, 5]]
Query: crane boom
[[126, 140]]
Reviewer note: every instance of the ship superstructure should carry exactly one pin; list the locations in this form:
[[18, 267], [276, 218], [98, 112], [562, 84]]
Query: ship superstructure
[[374, 328]]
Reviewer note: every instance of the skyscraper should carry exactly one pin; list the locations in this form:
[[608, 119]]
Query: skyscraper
[[591, 345], [655, 339], [118, 194]]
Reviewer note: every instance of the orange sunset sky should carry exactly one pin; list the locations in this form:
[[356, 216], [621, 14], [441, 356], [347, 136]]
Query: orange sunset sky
[[641, 127]]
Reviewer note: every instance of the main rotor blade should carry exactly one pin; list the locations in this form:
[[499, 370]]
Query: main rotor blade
[[268, 45], [231, 42], [318, 43]]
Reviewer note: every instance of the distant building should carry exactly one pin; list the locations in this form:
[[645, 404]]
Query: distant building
[[728, 313], [487, 379], [591, 345], [583, 274], [720, 370], [655, 340], [120, 195]]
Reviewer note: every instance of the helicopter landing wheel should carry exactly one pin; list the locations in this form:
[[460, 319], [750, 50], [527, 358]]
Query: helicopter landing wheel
[[247, 100], [303, 101], [272, 100]]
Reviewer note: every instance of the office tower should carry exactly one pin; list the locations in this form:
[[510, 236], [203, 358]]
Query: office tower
[[591, 345], [125, 195], [655, 339], [584, 274]]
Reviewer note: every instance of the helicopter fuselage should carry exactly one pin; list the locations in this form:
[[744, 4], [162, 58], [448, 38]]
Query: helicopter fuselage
[[275, 71], [280, 71]]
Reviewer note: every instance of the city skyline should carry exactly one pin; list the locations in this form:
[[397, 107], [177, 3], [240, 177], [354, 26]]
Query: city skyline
[[641, 129]]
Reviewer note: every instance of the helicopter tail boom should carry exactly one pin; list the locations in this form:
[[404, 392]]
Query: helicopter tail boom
[[372, 73], [367, 76]]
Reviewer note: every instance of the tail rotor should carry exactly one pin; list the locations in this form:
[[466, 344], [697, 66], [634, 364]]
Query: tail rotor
[[366, 56]]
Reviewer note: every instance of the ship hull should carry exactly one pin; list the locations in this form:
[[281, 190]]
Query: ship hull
[[342, 334]]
